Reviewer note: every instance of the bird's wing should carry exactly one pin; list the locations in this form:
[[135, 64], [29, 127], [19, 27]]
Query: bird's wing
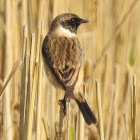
[[64, 55]]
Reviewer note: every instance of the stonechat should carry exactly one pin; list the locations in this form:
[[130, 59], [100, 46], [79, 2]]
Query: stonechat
[[63, 59]]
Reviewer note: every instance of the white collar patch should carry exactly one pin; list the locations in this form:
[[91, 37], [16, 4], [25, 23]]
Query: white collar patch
[[66, 32]]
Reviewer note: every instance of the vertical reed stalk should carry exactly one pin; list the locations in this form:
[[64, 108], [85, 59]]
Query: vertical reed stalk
[[39, 93], [28, 86], [110, 114], [33, 91], [116, 102], [60, 129], [22, 129], [99, 29], [101, 131], [46, 127], [82, 127], [133, 92], [6, 67], [76, 128]]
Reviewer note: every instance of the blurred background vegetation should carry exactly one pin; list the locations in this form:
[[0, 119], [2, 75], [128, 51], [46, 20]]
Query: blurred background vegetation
[[29, 104]]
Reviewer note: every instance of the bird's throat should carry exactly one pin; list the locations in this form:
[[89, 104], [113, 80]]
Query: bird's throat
[[65, 32]]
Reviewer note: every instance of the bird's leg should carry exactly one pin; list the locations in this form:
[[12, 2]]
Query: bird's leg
[[63, 103]]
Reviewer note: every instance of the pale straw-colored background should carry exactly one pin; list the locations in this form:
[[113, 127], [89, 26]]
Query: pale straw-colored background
[[29, 93]]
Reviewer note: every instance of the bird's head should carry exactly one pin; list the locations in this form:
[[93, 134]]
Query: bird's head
[[67, 22]]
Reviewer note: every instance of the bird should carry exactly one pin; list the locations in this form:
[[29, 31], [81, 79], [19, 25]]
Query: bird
[[63, 59]]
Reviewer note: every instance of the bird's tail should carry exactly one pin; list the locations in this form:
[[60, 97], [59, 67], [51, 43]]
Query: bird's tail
[[86, 112]]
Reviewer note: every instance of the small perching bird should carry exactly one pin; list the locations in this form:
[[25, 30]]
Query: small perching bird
[[63, 57]]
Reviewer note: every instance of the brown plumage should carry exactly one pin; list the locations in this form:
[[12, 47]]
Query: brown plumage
[[63, 58], [64, 55]]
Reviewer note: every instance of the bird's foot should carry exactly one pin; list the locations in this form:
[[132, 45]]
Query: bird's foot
[[63, 103]]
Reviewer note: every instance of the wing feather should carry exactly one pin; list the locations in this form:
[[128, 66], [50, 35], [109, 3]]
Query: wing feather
[[64, 56]]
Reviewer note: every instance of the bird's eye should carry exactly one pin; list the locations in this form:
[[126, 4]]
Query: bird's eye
[[73, 21]]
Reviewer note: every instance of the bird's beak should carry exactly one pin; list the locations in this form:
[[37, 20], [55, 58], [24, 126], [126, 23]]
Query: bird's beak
[[83, 21]]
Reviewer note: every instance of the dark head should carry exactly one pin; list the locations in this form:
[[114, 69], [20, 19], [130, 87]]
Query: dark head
[[67, 21]]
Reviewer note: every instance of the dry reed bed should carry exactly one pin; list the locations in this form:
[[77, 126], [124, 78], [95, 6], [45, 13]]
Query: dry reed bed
[[29, 104]]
